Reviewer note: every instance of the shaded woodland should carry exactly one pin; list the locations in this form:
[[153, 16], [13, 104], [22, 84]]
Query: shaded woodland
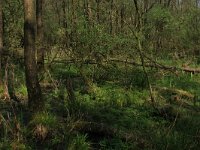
[[99, 74]]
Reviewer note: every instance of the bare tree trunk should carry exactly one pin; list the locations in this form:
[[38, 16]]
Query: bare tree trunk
[[1, 40], [40, 48], [58, 14], [122, 15], [65, 23], [168, 3], [34, 91], [140, 49], [73, 35], [137, 15], [98, 10], [88, 12], [70, 91], [146, 5], [6, 92], [111, 17]]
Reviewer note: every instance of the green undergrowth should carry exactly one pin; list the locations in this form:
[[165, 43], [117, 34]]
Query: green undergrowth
[[129, 110], [116, 113]]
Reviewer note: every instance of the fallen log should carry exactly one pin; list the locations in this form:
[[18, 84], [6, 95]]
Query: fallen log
[[151, 64], [179, 97], [173, 91], [191, 70], [154, 64]]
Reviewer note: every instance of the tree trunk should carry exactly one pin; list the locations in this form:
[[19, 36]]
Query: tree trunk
[[137, 15], [87, 12], [122, 16], [73, 34], [40, 49], [1, 40], [34, 92], [98, 10], [111, 17], [65, 23]]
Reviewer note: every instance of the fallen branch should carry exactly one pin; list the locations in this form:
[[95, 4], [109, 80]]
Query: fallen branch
[[179, 97], [179, 92], [191, 70], [154, 64], [151, 64]]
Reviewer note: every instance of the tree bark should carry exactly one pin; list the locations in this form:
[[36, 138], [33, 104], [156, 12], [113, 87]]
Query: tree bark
[[137, 15], [1, 39], [122, 16], [34, 92], [111, 17], [40, 49], [73, 34], [65, 23], [98, 10], [87, 12]]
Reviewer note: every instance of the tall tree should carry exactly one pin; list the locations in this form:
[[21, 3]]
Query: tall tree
[[1, 38], [34, 92], [122, 16], [65, 22], [39, 18], [98, 10], [88, 11], [111, 17], [73, 36], [3, 81]]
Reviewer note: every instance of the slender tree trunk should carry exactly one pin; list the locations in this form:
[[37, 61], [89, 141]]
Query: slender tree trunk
[[34, 92], [88, 12], [98, 10], [40, 48], [167, 3], [1, 40], [140, 49], [137, 15], [65, 23], [6, 92], [111, 17], [122, 16], [56, 5], [3, 81], [73, 34]]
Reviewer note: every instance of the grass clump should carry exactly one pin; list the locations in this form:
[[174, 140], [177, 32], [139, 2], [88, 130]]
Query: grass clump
[[44, 118], [79, 142]]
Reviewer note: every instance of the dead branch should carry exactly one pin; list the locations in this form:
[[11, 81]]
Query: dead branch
[[179, 97], [174, 91], [151, 64]]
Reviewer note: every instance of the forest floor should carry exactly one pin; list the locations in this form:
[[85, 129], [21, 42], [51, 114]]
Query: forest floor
[[112, 111]]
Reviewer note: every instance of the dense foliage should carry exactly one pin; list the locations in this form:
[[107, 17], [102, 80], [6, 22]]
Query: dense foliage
[[118, 74]]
